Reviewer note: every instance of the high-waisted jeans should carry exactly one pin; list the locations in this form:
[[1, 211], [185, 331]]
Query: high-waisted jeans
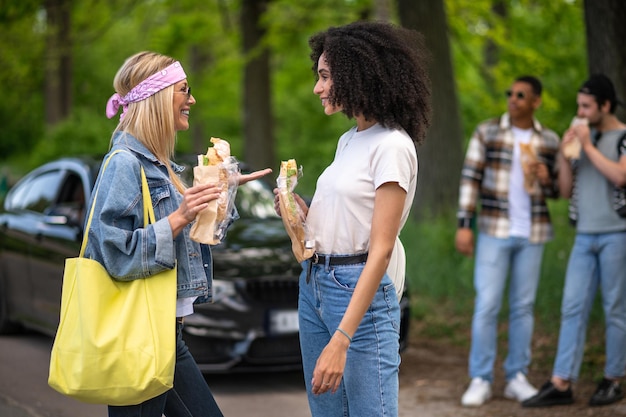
[[370, 382], [190, 396]]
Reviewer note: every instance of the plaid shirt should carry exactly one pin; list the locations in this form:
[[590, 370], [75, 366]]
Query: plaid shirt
[[486, 176]]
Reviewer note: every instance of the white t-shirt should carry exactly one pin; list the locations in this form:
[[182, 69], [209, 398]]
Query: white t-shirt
[[340, 216], [519, 200]]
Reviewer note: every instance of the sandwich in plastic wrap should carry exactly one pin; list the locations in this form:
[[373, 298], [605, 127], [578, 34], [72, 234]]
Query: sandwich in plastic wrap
[[219, 167], [291, 212]]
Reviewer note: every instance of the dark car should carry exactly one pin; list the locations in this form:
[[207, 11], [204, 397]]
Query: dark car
[[252, 323]]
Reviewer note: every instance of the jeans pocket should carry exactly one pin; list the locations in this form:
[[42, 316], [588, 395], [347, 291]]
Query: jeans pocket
[[346, 277]]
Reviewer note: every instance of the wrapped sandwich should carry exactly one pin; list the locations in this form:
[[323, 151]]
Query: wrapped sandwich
[[528, 157], [219, 167], [571, 150], [291, 212]]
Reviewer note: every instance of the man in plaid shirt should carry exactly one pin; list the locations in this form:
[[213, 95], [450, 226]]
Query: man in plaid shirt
[[509, 171]]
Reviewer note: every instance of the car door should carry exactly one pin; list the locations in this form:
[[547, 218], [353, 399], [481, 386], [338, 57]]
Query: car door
[[38, 237], [24, 210], [58, 237]]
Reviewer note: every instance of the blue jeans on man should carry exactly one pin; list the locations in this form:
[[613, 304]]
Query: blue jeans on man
[[496, 259], [596, 260]]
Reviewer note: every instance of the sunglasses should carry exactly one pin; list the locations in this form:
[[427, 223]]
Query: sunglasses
[[519, 94], [187, 91]]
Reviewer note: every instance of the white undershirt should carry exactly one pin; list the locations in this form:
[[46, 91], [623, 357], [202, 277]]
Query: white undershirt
[[519, 200], [184, 306]]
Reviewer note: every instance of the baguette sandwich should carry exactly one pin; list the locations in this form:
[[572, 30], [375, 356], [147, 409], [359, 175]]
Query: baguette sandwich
[[571, 150], [289, 171], [290, 211], [528, 157], [217, 156], [219, 167]]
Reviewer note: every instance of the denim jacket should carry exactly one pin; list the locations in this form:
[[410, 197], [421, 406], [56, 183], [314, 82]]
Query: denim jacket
[[117, 238]]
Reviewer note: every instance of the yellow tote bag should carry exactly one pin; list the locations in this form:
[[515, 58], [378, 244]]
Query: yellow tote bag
[[115, 343]]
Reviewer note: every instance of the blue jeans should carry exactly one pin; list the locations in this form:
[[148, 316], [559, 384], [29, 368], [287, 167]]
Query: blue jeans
[[370, 381], [495, 257], [595, 260], [190, 396]]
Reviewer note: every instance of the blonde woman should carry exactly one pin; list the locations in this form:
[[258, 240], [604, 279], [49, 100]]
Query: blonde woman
[[155, 98]]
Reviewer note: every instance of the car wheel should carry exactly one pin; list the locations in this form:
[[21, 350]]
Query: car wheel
[[6, 325]]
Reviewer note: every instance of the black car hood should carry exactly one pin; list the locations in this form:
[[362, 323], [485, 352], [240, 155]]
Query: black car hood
[[255, 248]]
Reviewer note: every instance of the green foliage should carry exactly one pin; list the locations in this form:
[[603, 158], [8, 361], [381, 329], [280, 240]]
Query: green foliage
[[531, 38], [544, 38], [21, 75], [438, 278], [303, 131], [11, 10], [435, 271], [205, 36], [84, 133]]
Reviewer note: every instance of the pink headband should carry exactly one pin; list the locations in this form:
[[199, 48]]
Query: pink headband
[[151, 85]]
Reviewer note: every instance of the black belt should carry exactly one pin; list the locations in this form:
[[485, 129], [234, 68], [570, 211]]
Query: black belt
[[339, 260], [333, 261]]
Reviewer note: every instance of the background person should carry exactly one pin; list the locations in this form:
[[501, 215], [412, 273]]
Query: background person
[[374, 73], [513, 226], [155, 97], [598, 257]]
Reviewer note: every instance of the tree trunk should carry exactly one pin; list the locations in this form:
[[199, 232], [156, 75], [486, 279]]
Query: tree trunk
[[382, 10], [199, 59], [491, 50], [606, 32], [58, 61], [257, 104], [441, 156]]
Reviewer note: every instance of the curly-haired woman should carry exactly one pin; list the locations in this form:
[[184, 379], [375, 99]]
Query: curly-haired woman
[[376, 74]]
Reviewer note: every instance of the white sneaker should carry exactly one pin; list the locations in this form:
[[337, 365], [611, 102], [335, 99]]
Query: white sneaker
[[477, 393], [519, 388]]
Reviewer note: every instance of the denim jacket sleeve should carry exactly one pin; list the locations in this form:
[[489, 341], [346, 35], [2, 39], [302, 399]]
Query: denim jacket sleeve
[[117, 237]]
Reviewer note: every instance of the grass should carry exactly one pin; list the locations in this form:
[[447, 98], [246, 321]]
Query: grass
[[442, 294]]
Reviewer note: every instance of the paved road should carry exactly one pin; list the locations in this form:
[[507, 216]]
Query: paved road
[[432, 380], [24, 391]]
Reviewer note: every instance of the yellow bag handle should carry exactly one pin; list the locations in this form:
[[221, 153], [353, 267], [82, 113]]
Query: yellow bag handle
[[148, 210]]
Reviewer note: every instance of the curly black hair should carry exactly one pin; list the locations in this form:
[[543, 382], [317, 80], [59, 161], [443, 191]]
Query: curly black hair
[[378, 70]]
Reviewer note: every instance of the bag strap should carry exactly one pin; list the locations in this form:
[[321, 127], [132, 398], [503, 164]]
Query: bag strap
[[620, 144], [148, 210]]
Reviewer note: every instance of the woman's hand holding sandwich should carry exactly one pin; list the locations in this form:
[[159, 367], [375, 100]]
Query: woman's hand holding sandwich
[[304, 209]]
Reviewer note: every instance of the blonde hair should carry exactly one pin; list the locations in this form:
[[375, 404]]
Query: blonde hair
[[151, 120]]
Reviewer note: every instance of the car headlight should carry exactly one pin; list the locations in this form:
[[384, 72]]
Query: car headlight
[[224, 293], [223, 289]]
